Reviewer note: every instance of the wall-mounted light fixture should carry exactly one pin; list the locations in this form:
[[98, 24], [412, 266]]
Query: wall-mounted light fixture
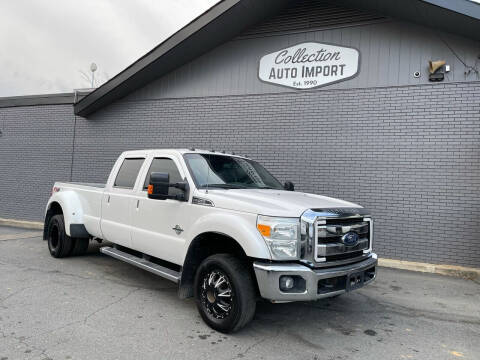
[[436, 70]]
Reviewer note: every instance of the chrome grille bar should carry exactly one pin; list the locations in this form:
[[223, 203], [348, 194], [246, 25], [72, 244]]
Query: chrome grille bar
[[324, 250], [321, 242], [329, 239]]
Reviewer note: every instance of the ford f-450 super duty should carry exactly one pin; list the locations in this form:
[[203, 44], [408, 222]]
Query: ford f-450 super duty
[[219, 225]]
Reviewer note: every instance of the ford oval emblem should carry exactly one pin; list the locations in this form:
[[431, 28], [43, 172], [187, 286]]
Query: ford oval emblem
[[350, 238]]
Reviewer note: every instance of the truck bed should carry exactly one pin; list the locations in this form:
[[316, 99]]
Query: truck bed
[[88, 197]]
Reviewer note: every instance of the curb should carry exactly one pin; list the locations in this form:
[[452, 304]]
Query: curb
[[22, 224], [449, 270]]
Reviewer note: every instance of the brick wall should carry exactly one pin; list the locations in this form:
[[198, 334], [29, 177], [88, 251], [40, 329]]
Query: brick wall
[[35, 151], [410, 154]]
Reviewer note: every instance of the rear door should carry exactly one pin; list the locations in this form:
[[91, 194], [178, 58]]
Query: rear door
[[158, 224], [118, 200]]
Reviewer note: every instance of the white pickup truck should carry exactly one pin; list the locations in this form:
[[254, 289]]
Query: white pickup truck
[[219, 225]]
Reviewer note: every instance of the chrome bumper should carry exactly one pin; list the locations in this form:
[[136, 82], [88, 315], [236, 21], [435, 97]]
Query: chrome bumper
[[316, 283]]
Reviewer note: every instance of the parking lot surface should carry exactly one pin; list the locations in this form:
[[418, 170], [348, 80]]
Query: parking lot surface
[[96, 307]]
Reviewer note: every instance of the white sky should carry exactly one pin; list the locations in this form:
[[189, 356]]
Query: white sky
[[44, 43]]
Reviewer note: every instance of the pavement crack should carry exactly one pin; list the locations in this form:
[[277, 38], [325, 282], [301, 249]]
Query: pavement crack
[[303, 341], [243, 353], [18, 292], [85, 319], [109, 305]]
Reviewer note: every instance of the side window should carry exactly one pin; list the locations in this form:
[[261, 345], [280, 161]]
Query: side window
[[128, 173], [164, 165]]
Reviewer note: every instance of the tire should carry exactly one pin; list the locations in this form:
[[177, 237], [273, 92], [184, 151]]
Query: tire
[[80, 246], [59, 243], [225, 313]]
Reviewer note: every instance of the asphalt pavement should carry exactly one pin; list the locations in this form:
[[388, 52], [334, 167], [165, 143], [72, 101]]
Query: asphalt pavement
[[96, 307]]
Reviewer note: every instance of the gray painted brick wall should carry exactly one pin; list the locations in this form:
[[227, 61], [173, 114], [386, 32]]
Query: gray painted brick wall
[[35, 151], [410, 154]]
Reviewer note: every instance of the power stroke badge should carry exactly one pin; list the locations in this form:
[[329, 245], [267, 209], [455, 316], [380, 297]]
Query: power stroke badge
[[309, 65]]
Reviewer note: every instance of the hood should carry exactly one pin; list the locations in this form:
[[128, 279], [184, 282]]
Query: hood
[[272, 202]]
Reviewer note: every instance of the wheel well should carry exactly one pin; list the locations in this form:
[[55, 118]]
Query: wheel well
[[54, 209], [203, 246]]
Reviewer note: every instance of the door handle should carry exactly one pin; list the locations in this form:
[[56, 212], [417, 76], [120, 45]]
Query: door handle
[[138, 203], [108, 199]]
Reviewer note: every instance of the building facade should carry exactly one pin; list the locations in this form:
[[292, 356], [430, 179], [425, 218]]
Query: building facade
[[384, 136]]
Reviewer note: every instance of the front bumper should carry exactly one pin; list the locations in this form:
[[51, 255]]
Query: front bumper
[[313, 284]]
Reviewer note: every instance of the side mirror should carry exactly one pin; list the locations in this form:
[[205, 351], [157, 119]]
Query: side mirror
[[289, 186], [160, 184]]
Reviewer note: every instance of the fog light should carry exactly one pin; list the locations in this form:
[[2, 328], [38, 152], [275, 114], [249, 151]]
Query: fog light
[[286, 283]]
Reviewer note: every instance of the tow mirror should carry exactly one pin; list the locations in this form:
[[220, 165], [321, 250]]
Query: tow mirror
[[160, 184], [289, 186]]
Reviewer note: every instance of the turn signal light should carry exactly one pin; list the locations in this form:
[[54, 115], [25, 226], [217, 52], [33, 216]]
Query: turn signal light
[[150, 189], [264, 229]]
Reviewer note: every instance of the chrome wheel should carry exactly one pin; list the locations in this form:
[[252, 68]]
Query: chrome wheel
[[225, 292], [216, 294]]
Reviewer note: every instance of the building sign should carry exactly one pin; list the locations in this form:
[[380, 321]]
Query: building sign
[[308, 65]]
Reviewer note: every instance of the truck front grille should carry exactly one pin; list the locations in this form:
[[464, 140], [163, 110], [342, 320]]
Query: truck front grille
[[331, 244]]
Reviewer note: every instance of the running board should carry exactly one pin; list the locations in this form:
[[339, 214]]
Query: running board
[[142, 263]]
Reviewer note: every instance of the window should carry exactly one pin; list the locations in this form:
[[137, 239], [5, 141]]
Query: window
[[229, 172], [128, 173], [168, 166]]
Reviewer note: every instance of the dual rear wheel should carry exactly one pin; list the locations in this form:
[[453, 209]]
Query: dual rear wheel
[[60, 244]]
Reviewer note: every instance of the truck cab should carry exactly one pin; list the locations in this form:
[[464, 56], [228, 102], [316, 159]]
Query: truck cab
[[221, 226]]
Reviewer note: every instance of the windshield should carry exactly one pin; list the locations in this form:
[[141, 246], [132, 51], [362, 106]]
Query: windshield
[[229, 172]]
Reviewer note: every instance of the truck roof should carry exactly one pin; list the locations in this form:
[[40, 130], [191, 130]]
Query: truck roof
[[184, 151]]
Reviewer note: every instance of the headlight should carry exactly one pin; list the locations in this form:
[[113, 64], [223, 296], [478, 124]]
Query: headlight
[[281, 235]]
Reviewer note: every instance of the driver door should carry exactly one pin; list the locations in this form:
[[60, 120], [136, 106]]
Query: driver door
[[154, 221]]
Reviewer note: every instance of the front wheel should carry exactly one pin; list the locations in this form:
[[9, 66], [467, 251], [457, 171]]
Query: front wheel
[[225, 293]]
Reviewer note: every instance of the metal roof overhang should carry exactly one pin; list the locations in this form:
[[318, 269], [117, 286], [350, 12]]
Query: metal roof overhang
[[228, 18]]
